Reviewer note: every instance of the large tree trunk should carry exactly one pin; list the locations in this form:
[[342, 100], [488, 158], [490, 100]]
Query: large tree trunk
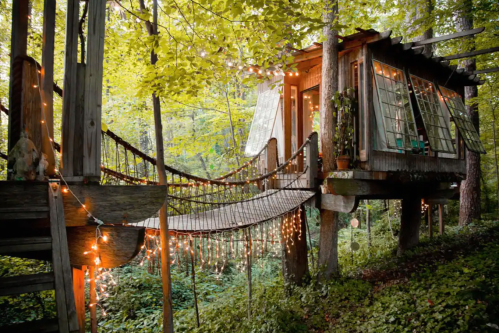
[[421, 10], [328, 238], [410, 222], [470, 188]]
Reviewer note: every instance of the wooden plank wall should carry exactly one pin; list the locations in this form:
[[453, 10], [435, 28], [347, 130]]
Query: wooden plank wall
[[311, 78], [69, 98], [47, 82], [18, 45], [93, 90], [387, 161]]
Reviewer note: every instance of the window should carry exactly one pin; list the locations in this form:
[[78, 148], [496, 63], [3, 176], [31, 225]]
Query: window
[[396, 110], [437, 128], [263, 121], [455, 104]]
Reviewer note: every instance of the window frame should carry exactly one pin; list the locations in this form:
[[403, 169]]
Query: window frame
[[424, 113], [463, 122], [411, 137]]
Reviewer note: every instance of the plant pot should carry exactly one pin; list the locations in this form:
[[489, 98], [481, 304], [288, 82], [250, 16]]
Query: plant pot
[[343, 162]]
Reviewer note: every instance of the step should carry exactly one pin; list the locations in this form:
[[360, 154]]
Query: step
[[25, 244], [26, 284], [35, 326], [24, 212]]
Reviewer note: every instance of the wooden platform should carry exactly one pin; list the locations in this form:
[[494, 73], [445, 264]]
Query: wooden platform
[[266, 206]]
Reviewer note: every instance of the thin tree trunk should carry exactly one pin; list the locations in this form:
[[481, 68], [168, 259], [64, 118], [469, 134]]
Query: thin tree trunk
[[232, 127], [163, 216], [193, 276], [328, 238], [470, 188], [410, 222], [496, 164], [368, 226]]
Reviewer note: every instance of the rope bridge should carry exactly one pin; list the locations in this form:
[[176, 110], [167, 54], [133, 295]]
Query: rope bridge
[[252, 206]]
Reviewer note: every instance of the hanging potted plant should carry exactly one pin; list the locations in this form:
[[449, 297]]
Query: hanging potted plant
[[345, 104]]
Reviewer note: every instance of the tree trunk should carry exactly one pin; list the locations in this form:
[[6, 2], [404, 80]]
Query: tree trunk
[[368, 226], [163, 217], [495, 152], [470, 188], [328, 239], [422, 10], [296, 260], [410, 222]]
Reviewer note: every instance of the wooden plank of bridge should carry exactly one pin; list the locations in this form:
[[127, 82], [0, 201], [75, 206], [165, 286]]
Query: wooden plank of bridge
[[70, 88], [47, 82], [93, 90]]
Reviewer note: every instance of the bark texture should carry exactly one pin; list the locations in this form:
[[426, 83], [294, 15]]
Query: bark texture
[[328, 239], [410, 222], [470, 188]]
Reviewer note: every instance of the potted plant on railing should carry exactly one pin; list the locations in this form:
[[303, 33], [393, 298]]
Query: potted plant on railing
[[345, 103]]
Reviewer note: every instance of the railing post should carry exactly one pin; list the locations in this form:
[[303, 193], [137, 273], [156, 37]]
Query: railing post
[[271, 161], [312, 160]]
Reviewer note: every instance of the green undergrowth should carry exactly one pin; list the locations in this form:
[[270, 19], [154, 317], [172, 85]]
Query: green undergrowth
[[447, 284]]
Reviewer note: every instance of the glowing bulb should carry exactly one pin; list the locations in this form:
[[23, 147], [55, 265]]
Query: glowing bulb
[[240, 67], [250, 69], [43, 121], [259, 71], [35, 86], [104, 238], [229, 63], [203, 53]]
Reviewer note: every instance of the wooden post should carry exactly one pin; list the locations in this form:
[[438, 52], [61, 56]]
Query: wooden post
[[79, 292], [410, 222], [69, 99], [368, 225], [271, 161], [193, 277], [296, 259], [47, 82], [248, 264], [93, 300], [312, 157], [430, 230], [441, 218], [18, 45], [93, 90]]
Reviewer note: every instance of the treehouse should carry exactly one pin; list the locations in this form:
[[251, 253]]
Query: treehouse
[[409, 128]]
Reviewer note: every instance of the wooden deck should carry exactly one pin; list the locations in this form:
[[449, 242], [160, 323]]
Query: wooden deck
[[266, 206]]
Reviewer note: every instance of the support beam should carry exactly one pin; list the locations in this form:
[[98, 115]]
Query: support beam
[[441, 218], [410, 222], [488, 70], [271, 161], [472, 53], [339, 203], [93, 300], [295, 259], [447, 37], [47, 82], [18, 45], [69, 99], [430, 230], [93, 90], [79, 292], [312, 158]]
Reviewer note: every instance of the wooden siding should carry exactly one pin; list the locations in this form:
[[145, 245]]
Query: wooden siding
[[387, 161], [311, 78]]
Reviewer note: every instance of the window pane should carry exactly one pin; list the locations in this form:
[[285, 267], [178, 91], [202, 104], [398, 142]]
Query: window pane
[[463, 122], [263, 121], [398, 118], [433, 116]]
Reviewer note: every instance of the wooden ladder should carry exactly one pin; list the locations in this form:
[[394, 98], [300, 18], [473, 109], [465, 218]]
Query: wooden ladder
[[60, 279]]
